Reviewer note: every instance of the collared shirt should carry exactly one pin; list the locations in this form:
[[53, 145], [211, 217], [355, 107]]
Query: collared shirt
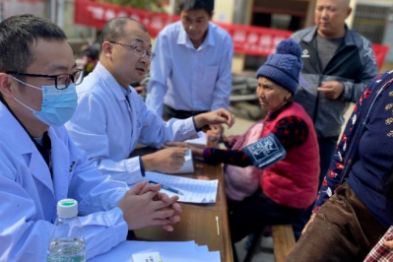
[[190, 79], [108, 128]]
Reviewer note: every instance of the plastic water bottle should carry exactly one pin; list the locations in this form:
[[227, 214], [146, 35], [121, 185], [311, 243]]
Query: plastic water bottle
[[67, 243]]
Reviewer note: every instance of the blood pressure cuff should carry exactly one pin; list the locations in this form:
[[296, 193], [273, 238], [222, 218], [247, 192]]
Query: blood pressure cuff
[[265, 152]]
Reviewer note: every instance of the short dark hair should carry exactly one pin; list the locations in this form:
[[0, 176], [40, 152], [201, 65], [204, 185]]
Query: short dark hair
[[17, 33], [188, 5], [114, 29]]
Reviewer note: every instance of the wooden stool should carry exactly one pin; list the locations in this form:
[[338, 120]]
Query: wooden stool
[[283, 242]]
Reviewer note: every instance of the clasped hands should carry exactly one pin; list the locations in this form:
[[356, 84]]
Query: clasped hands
[[143, 205]]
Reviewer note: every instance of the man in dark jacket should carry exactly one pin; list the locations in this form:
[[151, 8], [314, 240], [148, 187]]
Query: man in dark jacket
[[338, 64]]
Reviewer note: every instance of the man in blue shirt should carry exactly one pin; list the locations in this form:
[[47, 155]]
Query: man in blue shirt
[[112, 118], [192, 71]]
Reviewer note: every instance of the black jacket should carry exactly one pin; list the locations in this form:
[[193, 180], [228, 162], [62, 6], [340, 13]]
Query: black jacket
[[353, 64]]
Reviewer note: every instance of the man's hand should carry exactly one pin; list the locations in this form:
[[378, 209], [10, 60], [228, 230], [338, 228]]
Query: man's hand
[[332, 89], [216, 117], [167, 160], [164, 197], [308, 223], [149, 209]]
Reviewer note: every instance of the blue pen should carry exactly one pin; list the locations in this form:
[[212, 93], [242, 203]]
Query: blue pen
[[171, 189]]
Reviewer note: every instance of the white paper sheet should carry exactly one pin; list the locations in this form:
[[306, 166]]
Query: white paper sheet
[[169, 252], [198, 141], [193, 190]]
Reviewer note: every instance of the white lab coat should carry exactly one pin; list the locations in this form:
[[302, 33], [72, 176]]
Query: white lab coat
[[108, 128], [28, 197]]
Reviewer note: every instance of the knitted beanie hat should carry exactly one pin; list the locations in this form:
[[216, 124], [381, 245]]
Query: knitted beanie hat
[[284, 66]]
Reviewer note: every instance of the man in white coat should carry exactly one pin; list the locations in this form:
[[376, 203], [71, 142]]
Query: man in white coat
[[40, 165], [112, 118]]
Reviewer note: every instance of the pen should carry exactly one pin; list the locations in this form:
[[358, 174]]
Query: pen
[[218, 226], [171, 189]]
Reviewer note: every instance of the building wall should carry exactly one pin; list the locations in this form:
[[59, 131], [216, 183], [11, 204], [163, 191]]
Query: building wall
[[353, 5], [224, 10]]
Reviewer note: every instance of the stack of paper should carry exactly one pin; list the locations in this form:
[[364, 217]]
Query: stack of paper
[[191, 190], [169, 252]]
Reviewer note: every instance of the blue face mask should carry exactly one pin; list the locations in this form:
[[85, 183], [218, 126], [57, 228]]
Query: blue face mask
[[57, 106]]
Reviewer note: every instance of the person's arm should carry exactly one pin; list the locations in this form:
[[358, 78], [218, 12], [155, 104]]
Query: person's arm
[[24, 238], [120, 208], [334, 176], [155, 132], [353, 90], [290, 131], [160, 71], [223, 87], [91, 136]]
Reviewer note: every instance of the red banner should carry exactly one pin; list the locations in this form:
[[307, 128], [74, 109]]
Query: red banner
[[248, 40]]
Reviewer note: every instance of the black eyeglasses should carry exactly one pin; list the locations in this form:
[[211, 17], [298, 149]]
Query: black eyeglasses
[[138, 51], [62, 81]]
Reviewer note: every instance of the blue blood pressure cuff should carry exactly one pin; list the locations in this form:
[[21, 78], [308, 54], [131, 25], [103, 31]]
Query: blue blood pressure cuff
[[265, 152]]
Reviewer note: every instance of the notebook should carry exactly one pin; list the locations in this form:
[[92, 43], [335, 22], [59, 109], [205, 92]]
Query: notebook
[[192, 190]]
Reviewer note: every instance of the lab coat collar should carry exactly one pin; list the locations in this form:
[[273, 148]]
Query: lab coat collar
[[24, 146], [110, 81]]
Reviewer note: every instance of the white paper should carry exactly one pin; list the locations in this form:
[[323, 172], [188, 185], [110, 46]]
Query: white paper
[[201, 249], [193, 190], [198, 141], [169, 252], [188, 166], [143, 257]]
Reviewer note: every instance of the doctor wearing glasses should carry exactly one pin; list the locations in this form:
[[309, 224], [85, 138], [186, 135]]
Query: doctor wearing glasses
[[112, 118]]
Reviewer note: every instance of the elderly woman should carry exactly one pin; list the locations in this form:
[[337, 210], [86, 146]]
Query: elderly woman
[[283, 145]]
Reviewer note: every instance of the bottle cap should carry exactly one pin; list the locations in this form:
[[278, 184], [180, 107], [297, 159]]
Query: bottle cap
[[67, 208]]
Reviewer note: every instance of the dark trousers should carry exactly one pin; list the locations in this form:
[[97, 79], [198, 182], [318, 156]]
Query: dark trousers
[[169, 112], [256, 212], [343, 230], [327, 147]]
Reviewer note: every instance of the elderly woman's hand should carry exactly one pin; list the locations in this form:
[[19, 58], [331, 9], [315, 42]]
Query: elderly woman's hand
[[388, 244], [213, 135]]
